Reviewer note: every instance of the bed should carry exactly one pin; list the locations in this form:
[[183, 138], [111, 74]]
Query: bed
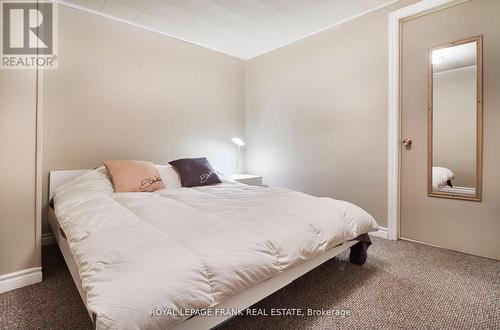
[[162, 260]]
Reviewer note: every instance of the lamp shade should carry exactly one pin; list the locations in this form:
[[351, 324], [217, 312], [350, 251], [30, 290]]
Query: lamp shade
[[239, 142]]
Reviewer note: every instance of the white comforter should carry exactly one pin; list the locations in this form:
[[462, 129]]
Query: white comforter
[[440, 177], [182, 248]]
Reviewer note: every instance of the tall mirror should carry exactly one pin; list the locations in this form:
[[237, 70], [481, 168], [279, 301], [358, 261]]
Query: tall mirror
[[455, 120]]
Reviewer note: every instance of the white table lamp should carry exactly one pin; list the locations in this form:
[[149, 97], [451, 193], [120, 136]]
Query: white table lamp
[[239, 142]]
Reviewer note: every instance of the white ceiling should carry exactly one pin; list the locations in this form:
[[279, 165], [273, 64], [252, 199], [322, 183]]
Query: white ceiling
[[455, 57], [241, 28]]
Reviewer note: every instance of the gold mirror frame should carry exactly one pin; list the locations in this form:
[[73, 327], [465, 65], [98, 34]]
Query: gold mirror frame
[[479, 123]]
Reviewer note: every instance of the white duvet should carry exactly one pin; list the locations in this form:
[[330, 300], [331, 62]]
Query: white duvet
[[440, 177], [182, 248]]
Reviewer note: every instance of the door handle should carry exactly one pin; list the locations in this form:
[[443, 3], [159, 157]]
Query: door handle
[[407, 143]]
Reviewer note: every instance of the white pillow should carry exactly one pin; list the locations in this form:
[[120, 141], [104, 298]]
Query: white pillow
[[169, 176]]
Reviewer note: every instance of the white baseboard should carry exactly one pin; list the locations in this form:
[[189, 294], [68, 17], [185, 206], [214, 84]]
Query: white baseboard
[[19, 279], [382, 233], [48, 239]]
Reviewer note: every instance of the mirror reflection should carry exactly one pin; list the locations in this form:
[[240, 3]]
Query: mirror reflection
[[454, 118]]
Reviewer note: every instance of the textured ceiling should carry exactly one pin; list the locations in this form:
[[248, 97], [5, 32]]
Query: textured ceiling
[[241, 28]]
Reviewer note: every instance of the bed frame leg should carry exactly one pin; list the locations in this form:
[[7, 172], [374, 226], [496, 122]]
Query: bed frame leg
[[359, 250]]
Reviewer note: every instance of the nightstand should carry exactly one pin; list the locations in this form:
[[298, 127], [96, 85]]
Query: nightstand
[[248, 179]]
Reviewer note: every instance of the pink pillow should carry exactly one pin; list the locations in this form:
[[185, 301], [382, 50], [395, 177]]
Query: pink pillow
[[134, 176]]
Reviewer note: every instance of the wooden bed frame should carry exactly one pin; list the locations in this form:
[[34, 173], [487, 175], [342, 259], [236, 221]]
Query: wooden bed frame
[[240, 301]]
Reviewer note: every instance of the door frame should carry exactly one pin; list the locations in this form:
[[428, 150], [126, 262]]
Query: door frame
[[395, 19]]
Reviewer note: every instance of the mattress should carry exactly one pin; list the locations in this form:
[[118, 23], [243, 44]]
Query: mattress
[[181, 249]]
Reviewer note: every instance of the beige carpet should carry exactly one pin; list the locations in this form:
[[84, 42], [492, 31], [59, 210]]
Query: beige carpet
[[403, 285]]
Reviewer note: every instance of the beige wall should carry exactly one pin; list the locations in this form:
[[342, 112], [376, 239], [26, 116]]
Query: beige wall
[[125, 93], [465, 226], [316, 113], [17, 170], [454, 123]]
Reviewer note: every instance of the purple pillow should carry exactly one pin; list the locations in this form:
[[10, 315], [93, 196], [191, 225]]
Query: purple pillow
[[195, 172]]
